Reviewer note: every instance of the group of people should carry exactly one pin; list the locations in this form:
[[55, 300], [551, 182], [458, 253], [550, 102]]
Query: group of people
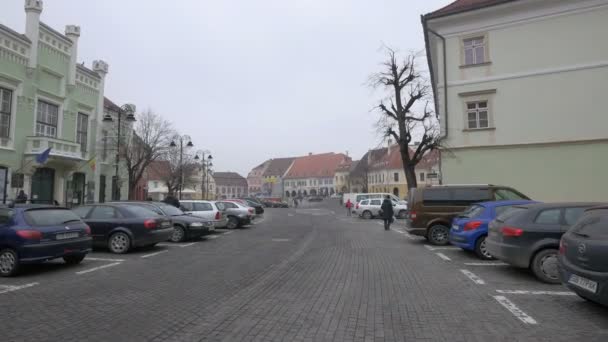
[[386, 211]]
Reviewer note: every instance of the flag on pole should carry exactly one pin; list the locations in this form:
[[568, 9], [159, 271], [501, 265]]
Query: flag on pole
[[43, 156], [92, 164]]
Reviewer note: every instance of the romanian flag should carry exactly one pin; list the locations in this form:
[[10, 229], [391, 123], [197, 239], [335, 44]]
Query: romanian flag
[[91, 163]]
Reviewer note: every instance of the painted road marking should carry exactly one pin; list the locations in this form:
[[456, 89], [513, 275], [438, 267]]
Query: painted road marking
[[11, 288], [486, 264], [549, 293], [153, 254], [474, 277], [289, 215], [443, 256], [258, 222], [212, 237], [163, 244], [104, 259], [226, 233], [98, 268], [517, 312], [431, 248], [188, 244], [280, 240]]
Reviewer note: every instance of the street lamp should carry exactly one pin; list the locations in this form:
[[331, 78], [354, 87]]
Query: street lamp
[[129, 111], [184, 141], [205, 165]]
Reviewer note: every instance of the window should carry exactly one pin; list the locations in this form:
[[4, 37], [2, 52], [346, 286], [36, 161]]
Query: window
[[473, 211], [202, 206], [468, 196], [137, 211], [594, 224], [223, 190], [477, 115], [229, 205], [6, 100], [50, 217], [571, 215], [506, 195], [548, 216], [396, 176], [436, 197], [474, 50], [82, 211], [422, 176], [185, 206], [82, 128], [366, 202], [46, 119], [156, 184], [376, 202], [104, 153], [103, 213]]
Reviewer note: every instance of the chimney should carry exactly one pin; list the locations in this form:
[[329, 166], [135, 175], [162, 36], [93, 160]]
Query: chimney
[[33, 8], [73, 33], [309, 154]]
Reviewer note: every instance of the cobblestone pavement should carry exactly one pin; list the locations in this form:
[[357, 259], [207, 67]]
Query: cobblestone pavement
[[306, 274]]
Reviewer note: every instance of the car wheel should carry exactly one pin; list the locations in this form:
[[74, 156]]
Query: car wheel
[[367, 215], [232, 223], [439, 235], [74, 259], [481, 250], [544, 266], [119, 243], [402, 214], [178, 235], [9, 263]]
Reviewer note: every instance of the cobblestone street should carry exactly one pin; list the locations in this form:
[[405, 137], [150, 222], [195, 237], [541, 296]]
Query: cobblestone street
[[306, 274]]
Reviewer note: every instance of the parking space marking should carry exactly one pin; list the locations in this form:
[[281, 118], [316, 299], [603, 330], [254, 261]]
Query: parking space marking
[[104, 259], [431, 248], [548, 293], [290, 215], [226, 233], [259, 221], [153, 254], [98, 268], [163, 244], [517, 312], [212, 237], [280, 240], [11, 288], [443, 256], [474, 277], [486, 264]]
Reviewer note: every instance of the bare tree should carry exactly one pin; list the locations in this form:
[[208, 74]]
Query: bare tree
[[405, 113], [186, 168], [151, 138]]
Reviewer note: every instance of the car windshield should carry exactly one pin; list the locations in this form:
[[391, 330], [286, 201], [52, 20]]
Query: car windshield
[[50, 217], [594, 223], [171, 210], [473, 211], [140, 211]]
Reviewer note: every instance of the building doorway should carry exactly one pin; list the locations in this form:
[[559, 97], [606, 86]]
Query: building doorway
[[78, 188], [43, 185], [396, 192]]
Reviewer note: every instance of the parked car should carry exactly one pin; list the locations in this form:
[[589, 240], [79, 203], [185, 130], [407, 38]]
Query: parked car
[[184, 226], [432, 208], [528, 236], [37, 233], [237, 214], [583, 253], [259, 209], [281, 204], [370, 208], [123, 226], [207, 210], [470, 229], [315, 199]]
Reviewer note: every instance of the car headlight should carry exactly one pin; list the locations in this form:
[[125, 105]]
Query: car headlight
[[196, 224]]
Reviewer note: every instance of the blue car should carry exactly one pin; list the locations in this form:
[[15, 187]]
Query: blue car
[[470, 229], [37, 233]]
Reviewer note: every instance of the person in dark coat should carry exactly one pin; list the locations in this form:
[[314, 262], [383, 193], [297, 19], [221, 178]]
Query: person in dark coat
[[387, 212], [172, 200], [21, 197]]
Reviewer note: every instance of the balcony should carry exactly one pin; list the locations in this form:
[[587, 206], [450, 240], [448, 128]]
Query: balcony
[[59, 148]]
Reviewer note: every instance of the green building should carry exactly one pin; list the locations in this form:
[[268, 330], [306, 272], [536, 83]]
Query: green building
[[49, 101]]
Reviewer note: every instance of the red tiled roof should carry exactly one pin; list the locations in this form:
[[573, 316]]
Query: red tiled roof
[[278, 167], [393, 160], [316, 165], [460, 6], [344, 166], [229, 179]]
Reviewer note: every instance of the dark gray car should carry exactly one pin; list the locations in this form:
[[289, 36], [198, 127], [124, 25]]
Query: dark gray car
[[528, 236], [582, 256]]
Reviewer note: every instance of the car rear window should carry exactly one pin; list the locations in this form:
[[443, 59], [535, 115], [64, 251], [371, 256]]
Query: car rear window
[[502, 209], [50, 217], [170, 210], [509, 195], [593, 223], [365, 202], [6, 216], [139, 211], [473, 211], [510, 211], [202, 206], [549, 216]]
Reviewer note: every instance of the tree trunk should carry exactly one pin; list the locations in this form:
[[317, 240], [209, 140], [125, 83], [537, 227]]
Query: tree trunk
[[410, 176]]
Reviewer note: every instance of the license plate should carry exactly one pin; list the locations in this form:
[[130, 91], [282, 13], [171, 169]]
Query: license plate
[[583, 283], [165, 224], [64, 236], [454, 227]]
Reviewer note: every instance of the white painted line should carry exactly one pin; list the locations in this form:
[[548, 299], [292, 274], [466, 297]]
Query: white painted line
[[188, 244], [548, 293], [212, 237], [333, 212], [258, 222], [290, 215], [280, 240], [428, 247], [443, 256], [431, 248], [104, 259], [98, 268], [517, 312], [153, 254], [474, 277], [226, 233], [10, 288], [486, 264], [164, 244]]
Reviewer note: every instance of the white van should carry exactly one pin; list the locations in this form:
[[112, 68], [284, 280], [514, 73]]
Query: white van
[[358, 197]]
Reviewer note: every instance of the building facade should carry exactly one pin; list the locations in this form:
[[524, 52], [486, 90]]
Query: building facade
[[313, 175], [51, 109], [255, 178], [520, 89], [230, 185], [342, 177], [272, 178]]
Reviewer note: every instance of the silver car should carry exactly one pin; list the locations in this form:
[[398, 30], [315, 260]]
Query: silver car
[[237, 214], [205, 209], [370, 208]]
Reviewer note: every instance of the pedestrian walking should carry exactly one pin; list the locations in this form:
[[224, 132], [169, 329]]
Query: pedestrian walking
[[387, 212], [172, 200], [21, 197], [349, 206], [295, 202]]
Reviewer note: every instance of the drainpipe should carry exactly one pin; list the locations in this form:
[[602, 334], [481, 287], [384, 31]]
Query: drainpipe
[[445, 80]]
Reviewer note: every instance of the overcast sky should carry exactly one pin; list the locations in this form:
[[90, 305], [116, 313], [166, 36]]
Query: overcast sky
[[248, 80]]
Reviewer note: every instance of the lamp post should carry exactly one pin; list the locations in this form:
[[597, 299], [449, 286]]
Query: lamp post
[[184, 142], [129, 111], [205, 165]]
